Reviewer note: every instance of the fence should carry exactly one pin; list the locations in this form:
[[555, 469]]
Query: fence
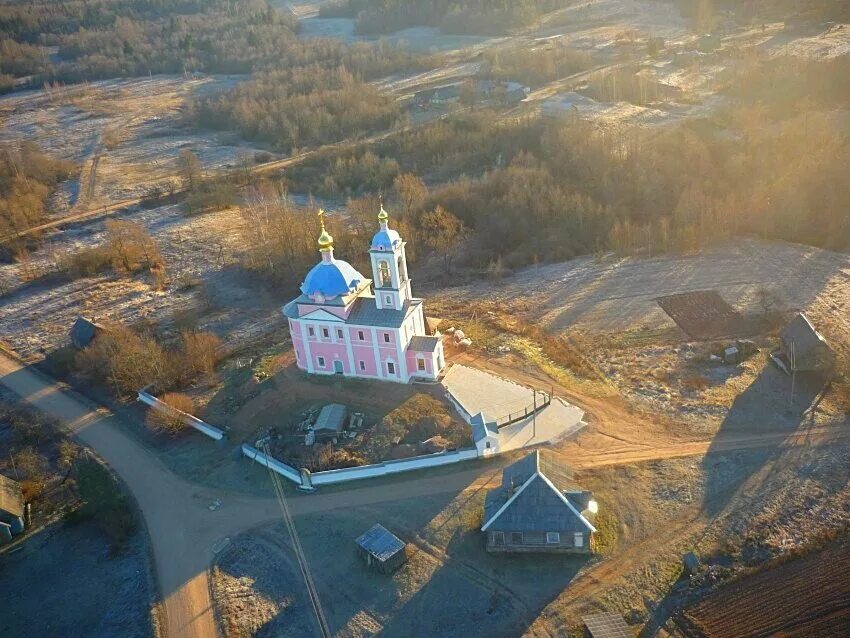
[[527, 411], [310, 480], [192, 421], [272, 463]]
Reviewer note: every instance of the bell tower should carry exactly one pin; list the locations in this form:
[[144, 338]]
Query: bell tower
[[389, 266]]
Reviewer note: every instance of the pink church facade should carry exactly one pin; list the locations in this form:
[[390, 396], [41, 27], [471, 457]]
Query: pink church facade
[[343, 324]]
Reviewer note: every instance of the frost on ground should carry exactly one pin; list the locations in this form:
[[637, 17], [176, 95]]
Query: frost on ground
[[127, 134], [204, 285], [618, 294]]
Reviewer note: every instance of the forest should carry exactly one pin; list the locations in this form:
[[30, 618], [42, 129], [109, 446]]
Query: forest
[[292, 108], [452, 16], [125, 38], [775, 162]]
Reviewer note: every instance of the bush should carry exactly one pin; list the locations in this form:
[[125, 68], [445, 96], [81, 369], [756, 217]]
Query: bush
[[87, 262], [201, 351], [127, 360], [169, 422]]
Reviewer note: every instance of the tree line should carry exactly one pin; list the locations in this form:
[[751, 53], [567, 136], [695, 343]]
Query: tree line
[[452, 16], [292, 108], [99, 39], [774, 162], [27, 179]]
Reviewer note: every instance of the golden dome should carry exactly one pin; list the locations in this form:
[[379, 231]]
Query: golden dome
[[382, 216], [326, 241]]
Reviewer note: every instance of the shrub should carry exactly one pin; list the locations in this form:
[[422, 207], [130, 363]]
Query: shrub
[[127, 360], [170, 422], [87, 262], [201, 351]]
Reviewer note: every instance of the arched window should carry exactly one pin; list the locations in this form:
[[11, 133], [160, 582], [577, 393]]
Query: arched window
[[402, 273], [384, 268]]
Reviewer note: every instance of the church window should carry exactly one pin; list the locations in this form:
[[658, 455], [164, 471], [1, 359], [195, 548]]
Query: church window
[[420, 364], [325, 333], [402, 272], [388, 299], [360, 335], [386, 337], [384, 268], [311, 332], [321, 362], [362, 366], [390, 367], [339, 333]]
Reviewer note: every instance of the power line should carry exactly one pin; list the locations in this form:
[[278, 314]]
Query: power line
[[312, 594]]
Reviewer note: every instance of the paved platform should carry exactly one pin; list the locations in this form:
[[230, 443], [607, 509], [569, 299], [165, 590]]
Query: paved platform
[[478, 391]]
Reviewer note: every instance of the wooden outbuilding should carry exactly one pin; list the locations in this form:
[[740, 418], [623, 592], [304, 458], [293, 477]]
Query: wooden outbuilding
[[381, 549], [12, 509], [802, 348]]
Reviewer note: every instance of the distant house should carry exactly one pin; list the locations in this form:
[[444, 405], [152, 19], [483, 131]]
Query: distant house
[[331, 420], [84, 331], [439, 95], [533, 511], [802, 348], [381, 549], [11, 509]]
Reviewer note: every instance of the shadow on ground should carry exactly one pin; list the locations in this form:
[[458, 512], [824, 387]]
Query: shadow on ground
[[450, 586]]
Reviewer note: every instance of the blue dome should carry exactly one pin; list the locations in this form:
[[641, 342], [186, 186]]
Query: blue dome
[[331, 279], [385, 239]]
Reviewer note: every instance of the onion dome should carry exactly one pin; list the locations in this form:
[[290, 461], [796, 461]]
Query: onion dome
[[385, 238]]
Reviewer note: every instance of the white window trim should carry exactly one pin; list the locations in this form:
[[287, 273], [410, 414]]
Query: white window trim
[[420, 364], [321, 361], [553, 538], [496, 536], [578, 539], [392, 372], [362, 365]]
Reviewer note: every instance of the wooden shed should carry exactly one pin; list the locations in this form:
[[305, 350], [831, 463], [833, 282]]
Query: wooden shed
[[11, 509], [803, 348], [381, 549]]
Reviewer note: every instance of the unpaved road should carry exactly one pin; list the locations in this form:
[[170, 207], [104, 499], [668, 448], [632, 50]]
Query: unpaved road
[[183, 530]]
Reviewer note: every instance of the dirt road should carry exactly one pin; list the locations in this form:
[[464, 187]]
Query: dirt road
[[185, 531]]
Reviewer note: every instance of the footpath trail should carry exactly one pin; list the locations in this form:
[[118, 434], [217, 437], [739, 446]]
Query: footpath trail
[[183, 530]]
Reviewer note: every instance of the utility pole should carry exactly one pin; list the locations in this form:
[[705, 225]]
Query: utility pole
[[792, 356], [312, 594]]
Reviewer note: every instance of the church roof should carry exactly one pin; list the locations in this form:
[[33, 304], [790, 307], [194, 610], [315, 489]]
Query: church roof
[[331, 278], [366, 313], [385, 240]]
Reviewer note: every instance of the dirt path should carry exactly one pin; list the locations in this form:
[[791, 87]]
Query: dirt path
[[184, 530]]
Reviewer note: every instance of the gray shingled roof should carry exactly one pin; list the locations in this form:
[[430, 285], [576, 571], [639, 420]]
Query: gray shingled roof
[[535, 503], [803, 334], [380, 542], [423, 343], [332, 417], [83, 331], [606, 625], [481, 428], [11, 497], [366, 313]]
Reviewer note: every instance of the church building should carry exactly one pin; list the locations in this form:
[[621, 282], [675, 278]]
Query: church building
[[342, 324]]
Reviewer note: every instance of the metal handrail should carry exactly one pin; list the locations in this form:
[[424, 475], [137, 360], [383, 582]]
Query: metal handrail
[[533, 408]]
